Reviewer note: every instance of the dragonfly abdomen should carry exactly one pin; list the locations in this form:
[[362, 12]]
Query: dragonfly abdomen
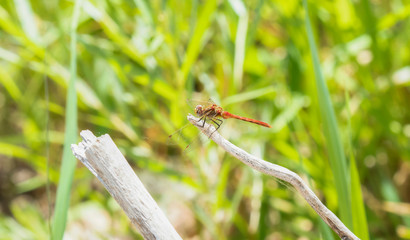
[[226, 115]]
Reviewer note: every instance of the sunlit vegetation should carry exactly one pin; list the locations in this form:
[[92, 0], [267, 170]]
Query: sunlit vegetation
[[334, 84]]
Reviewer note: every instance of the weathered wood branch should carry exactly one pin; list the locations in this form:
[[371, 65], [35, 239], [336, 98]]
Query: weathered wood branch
[[102, 157], [279, 172]]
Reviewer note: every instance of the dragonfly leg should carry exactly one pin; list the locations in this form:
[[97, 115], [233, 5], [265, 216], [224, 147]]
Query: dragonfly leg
[[218, 124], [202, 118], [220, 121], [203, 124]]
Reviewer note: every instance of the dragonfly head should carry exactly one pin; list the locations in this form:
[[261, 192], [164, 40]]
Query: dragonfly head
[[199, 110]]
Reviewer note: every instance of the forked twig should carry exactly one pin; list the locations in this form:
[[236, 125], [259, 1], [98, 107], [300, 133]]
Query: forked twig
[[280, 172]]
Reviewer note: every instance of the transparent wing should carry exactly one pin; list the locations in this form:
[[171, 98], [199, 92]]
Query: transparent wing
[[189, 138], [194, 102]]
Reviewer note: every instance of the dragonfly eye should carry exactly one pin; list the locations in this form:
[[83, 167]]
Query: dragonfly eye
[[198, 110]]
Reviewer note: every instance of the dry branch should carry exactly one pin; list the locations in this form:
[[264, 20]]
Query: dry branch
[[102, 157], [280, 172]]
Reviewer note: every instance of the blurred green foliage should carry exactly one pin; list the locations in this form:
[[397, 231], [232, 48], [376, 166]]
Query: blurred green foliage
[[137, 63]]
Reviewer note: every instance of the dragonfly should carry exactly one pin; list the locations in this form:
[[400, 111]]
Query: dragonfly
[[214, 114]]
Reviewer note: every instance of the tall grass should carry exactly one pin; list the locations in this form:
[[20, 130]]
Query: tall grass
[[138, 61], [337, 157], [68, 161]]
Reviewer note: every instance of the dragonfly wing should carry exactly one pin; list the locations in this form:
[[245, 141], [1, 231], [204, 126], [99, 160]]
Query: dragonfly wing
[[194, 102], [189, 137]]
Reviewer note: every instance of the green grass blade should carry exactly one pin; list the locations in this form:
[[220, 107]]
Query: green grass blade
[[196, 41], [240, 41], [7, 81], [247, 96], [27, 19], [325, 230], [331, 132], [360, 226], [145, 11], [68, 162], [358, 211], [289, 113]]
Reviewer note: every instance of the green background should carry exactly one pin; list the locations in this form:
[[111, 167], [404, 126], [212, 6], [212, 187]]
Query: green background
[[331, 77]]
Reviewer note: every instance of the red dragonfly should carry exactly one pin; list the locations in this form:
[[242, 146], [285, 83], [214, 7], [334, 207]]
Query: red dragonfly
[[212, 113]]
